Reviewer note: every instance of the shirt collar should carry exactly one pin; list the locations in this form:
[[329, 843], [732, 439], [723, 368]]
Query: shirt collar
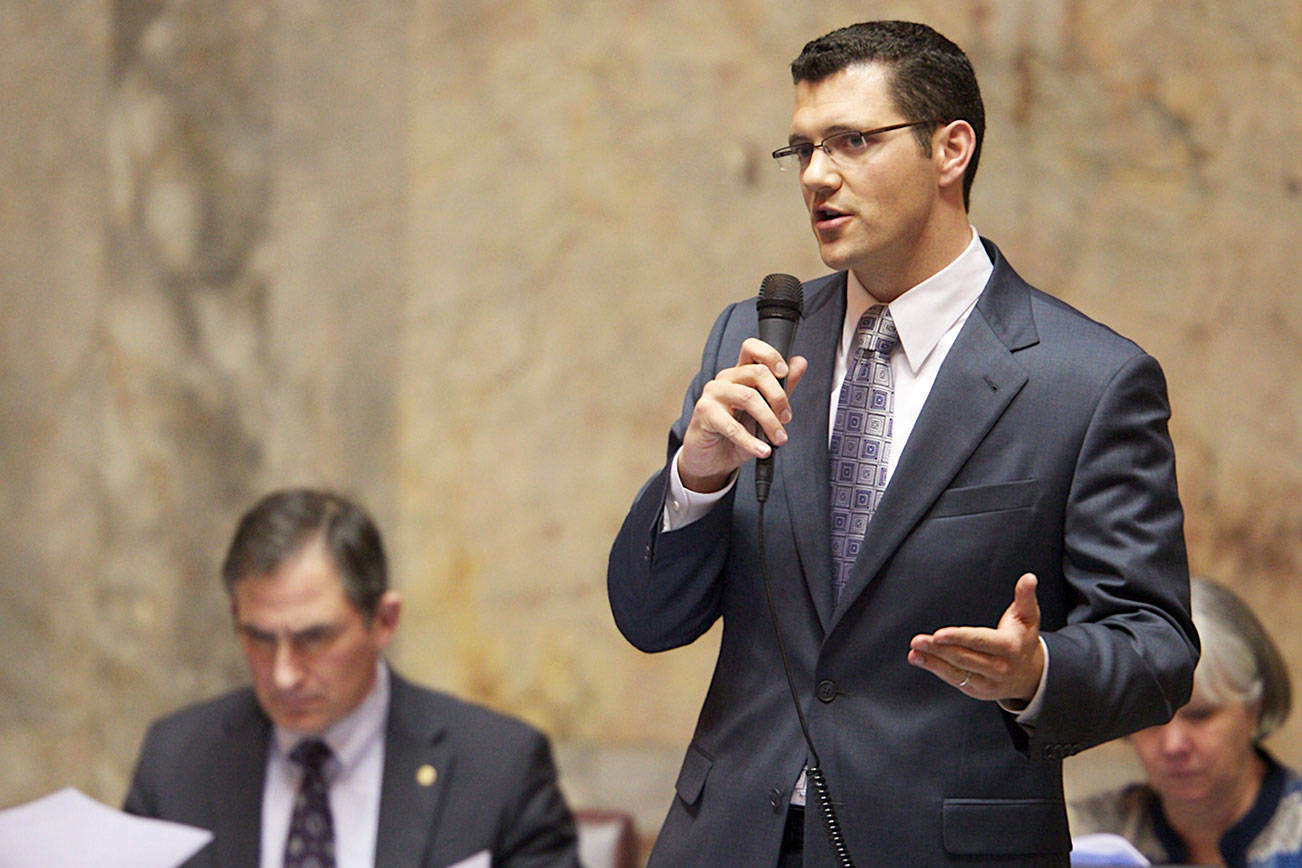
[[349, 736], [925, 312]]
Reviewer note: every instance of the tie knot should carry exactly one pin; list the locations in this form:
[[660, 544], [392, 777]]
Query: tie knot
[[312, 754], [876, 330]]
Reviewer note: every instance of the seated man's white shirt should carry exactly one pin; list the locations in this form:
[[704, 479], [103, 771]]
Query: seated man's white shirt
[[354, 777]]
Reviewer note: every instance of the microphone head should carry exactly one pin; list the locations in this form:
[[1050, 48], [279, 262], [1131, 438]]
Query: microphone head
[[781, 296]]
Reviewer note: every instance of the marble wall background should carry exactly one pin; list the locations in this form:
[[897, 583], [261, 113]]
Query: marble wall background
[[457, 258]]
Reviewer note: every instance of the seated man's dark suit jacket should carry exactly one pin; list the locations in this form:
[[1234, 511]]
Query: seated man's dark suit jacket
[[495, 789], [1042, 447]]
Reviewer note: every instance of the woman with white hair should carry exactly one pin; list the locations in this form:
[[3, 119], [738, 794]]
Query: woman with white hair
[[1213, 796]]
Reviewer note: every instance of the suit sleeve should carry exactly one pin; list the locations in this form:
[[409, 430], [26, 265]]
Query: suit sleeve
[[664, 588], [1125, 658]]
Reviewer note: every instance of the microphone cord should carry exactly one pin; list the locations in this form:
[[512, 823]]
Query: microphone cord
[[813, 770]]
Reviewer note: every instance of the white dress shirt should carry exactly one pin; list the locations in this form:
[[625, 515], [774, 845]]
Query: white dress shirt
[[354, 774]]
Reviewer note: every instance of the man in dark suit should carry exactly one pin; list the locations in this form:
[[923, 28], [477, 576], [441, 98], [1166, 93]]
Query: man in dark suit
[[985, 576], [405, 776]]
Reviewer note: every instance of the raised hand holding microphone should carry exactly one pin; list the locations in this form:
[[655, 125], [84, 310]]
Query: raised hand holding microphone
[[741, 402]]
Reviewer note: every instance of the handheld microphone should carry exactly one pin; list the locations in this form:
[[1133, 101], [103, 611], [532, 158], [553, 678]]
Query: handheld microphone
[[779, 304]]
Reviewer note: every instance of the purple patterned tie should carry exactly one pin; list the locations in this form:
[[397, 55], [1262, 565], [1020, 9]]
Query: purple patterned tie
[[311, 842], [861, 438]]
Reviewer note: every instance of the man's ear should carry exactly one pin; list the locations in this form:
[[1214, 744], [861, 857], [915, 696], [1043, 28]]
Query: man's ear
[[952, 148], [385, 620]]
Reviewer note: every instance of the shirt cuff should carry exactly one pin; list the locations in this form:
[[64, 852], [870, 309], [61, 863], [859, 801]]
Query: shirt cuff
[[1027, 715], [682, 507]]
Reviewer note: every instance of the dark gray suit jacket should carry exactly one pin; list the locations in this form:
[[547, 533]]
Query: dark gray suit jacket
[[495, 789], [1042, 447]]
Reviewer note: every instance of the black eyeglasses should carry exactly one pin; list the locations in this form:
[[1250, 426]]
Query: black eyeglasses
[[844, 147]]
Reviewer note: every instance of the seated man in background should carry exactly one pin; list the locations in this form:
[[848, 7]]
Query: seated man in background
[[331, 756], [1214, 796]]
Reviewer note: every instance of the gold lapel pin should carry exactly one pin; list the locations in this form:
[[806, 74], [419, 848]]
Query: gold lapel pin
[[426, 775]]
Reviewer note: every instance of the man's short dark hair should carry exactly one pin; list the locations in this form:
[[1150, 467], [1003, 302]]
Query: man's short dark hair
[[282, 523], [931, 77]]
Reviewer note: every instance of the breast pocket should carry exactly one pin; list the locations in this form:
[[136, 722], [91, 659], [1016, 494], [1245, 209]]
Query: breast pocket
[[1005, 827], [978, 499]]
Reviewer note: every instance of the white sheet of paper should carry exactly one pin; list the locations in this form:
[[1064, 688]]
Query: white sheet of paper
[[68, 829], [482, 859], [1104, 848]]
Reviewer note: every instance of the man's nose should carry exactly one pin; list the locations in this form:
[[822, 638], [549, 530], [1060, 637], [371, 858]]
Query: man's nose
[[286, 672], [820, 173]]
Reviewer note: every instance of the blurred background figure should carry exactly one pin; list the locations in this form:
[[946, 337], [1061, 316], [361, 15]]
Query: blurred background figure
[[1213, 795], [330, 758]]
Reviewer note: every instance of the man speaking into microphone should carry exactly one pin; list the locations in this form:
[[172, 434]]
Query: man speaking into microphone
[[972, 539]]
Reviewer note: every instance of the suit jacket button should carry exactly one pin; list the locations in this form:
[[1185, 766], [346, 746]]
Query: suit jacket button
[[826, 690], [775, 797]]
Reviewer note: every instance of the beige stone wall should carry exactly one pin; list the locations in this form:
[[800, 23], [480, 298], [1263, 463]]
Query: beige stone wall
[[458, 258]]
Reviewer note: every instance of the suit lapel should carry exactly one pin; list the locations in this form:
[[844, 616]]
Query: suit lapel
[[804, 458], [417, 767], [239, 768], [974, 386]]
